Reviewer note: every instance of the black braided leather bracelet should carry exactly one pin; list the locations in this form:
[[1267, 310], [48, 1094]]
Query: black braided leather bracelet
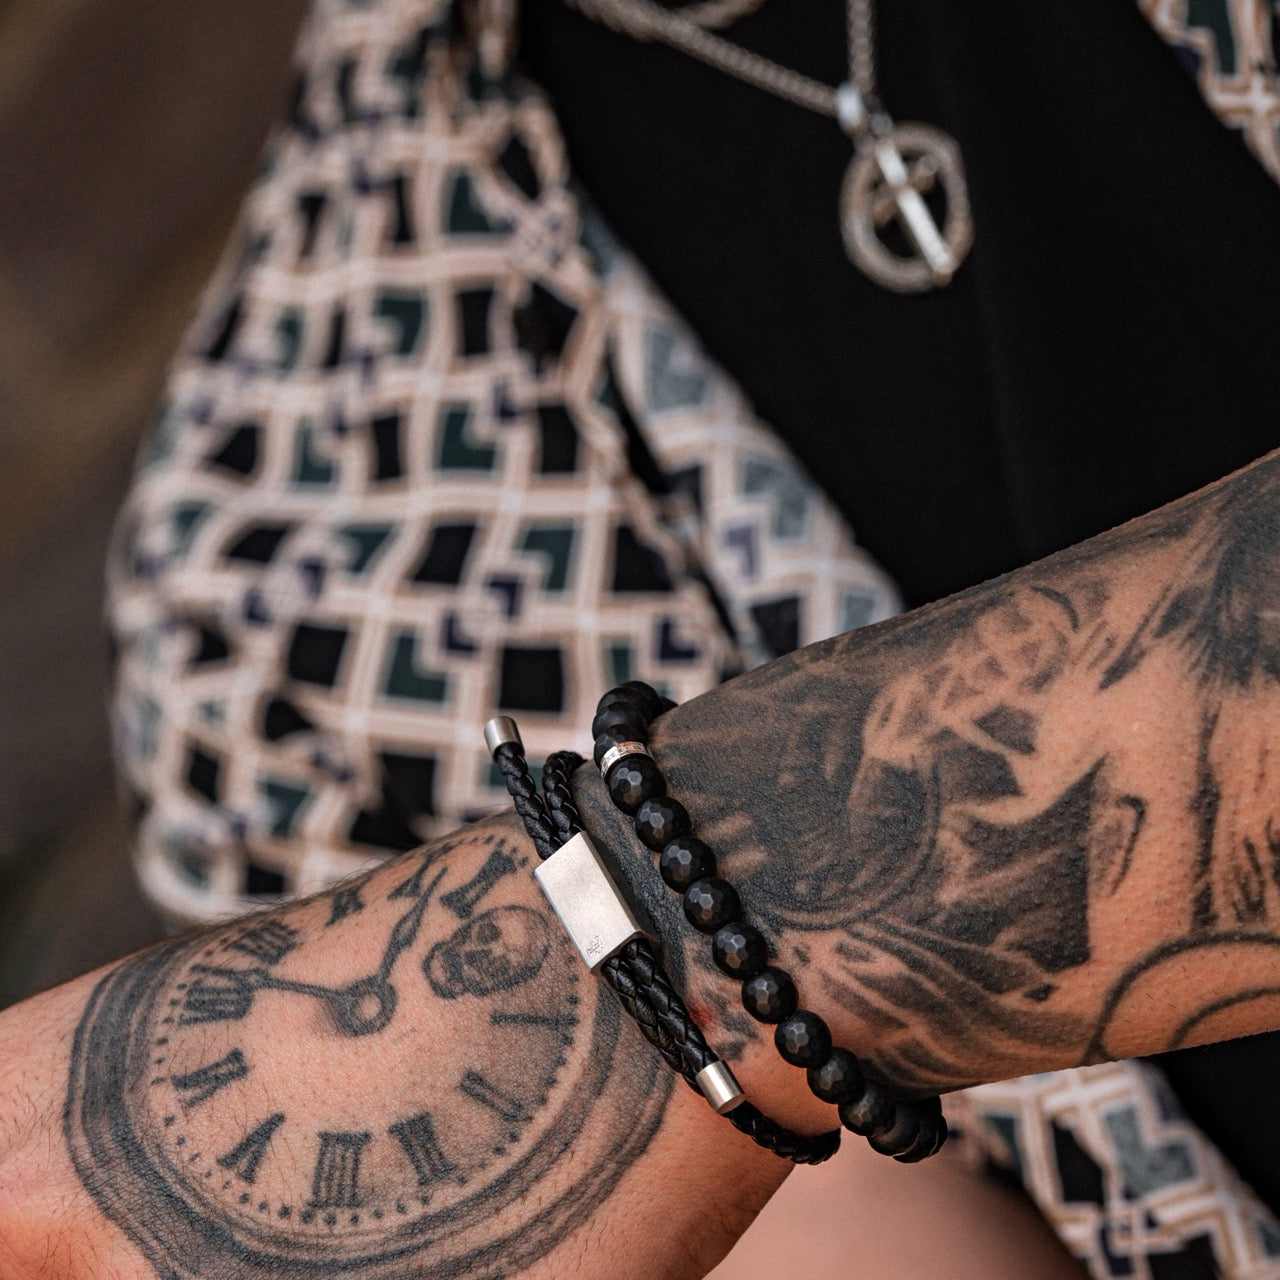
[[907, 1129], [633, 971]]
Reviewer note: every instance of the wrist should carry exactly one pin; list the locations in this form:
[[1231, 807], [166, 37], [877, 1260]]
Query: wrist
[[291, 1080]]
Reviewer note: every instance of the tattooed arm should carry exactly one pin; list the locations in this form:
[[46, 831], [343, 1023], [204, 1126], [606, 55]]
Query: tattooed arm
[[1035, 825], [408, 1076], [1031, 826]]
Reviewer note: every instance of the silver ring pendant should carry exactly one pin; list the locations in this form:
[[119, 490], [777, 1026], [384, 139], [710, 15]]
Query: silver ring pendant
[[886, 182]]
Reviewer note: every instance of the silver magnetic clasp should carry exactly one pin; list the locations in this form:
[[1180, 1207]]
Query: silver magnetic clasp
[[582, 893], [499, 731], [719, 1087]]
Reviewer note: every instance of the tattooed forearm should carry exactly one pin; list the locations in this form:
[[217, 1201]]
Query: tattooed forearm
[[1033, 825], [407, 1076]]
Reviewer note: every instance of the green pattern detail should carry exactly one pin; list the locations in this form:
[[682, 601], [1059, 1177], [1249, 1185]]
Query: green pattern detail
[[290, 327], [214, 712], [310, 469], [457, 450], [607, 395], [148, 727], [185, 519], [286, 801], [787, 490], [192, 865], [406, 679], [404, 67], [159, 440], [367, 542], [555, 541], [1270, 1238], [856, 609], [1214, 16], [1007, 1127], [408, 313], [464, 215], [619, 660]]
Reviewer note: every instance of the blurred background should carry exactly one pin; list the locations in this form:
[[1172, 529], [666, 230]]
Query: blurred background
[[128, 133]]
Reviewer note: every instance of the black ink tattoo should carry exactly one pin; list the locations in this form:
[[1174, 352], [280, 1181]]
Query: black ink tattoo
[[244, 1158], [463, 900], [346, 902], [920, 805], [224, 1111], [267, 941], [195, 1087]]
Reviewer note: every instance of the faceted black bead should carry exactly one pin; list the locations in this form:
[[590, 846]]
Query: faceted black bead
[[633, 780], [651, 706], [837, 1078], [622, 697], [770, 996], [930, 1136], [620, 719], [684, 860], [899, 1137], [710, 903], [661, 819], [607, 741], [803, 1039], [869, 1111], [739, 949]]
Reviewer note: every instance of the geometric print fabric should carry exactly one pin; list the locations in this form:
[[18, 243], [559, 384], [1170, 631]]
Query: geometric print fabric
[[433, 448], [1231, 48], [1128, 1183]]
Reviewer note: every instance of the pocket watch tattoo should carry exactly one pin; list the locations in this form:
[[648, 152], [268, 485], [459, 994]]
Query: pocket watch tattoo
[[251, 1104]]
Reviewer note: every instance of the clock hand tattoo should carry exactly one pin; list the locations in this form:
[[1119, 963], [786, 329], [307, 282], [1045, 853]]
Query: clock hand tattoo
[[359, 1008], [241, 1107]]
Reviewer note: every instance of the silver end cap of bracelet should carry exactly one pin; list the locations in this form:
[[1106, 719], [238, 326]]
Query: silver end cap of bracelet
[[719, 1087], [499, 731]]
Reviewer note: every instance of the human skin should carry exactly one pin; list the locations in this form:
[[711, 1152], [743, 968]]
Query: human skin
[[1032, 826]]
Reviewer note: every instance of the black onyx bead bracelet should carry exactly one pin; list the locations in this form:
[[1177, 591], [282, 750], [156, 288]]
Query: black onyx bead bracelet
[[611, 942], [907, 1129]]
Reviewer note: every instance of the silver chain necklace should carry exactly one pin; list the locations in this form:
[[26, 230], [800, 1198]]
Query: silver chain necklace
[[893, 165]]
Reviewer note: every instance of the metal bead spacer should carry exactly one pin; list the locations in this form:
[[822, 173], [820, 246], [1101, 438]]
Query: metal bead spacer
[[620, 752], [499, 731], [719, 1087]]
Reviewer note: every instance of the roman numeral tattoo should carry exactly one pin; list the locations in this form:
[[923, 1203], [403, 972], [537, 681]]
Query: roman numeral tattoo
[[336, 1184], [268, 942], [216, 995], [198, 1086], [463, 900], [412, 887], [244, 1158], [483, 1091], [417, 1135], [346, 902]]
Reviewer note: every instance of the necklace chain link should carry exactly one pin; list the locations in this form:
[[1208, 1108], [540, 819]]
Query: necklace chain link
[[687, 30]]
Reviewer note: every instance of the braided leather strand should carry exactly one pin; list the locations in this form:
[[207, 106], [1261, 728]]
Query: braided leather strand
[[647, 972], [637, 964], [524, 793]]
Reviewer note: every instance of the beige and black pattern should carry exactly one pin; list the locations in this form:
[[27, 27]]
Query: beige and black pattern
[[1129, 1184], [1230, 47], [399, 483]]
